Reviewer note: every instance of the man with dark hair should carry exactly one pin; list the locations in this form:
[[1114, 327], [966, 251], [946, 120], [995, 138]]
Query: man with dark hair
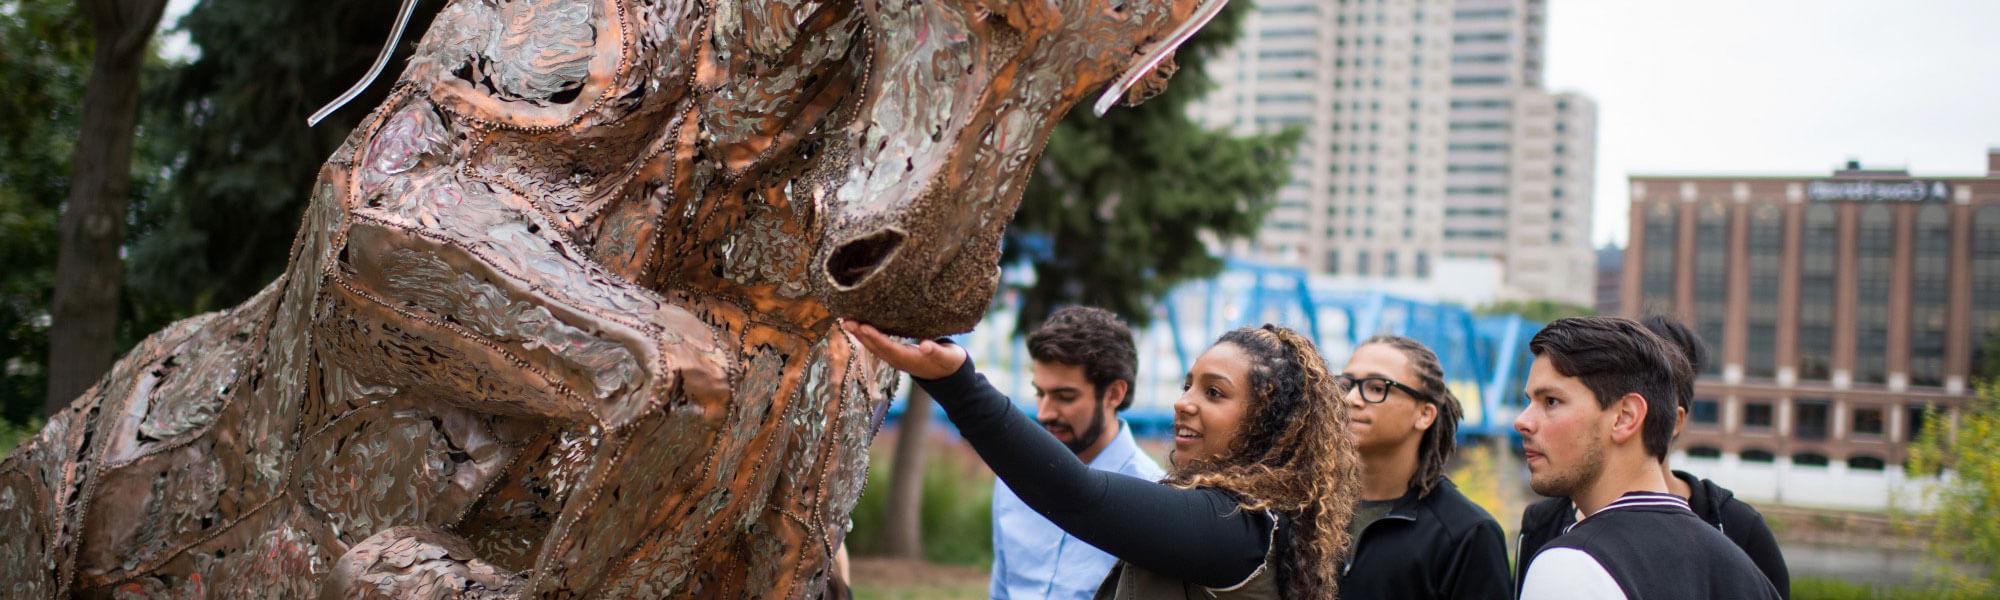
[[1085, 361], [1602, 408], [1716, 505], [1413, 534]]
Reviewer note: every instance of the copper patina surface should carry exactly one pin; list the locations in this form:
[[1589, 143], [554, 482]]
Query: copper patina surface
[[559, 321]]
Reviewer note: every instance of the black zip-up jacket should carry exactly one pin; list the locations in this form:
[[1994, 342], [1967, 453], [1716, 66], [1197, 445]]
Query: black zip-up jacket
[[1716, 505], [1438, 546]]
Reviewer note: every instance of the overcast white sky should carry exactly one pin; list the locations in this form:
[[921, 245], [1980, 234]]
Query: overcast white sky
[[1778, 86]]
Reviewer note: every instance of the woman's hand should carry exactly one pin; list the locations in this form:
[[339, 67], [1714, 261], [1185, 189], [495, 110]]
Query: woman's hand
[[926, 360]]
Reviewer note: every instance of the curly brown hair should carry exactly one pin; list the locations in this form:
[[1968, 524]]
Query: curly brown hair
[[1293, 457]]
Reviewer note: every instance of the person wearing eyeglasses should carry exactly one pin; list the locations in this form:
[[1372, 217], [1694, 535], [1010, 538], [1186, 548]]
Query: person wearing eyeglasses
[[1413, 534]]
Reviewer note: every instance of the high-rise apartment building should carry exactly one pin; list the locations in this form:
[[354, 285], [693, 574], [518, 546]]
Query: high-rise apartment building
[[1520, 160], [1544, 247], [1427, 137], [1367, 84]]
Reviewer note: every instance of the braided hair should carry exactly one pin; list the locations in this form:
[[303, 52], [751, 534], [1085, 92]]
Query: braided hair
[[1293, 457], [1441, 439]]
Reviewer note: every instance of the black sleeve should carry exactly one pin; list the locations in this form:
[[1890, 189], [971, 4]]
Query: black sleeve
[[1745, 526], [1479, 564], [1196, 535], [1540, 522]]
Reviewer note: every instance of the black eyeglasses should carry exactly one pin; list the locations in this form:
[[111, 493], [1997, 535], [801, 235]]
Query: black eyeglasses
[[1375, 390]]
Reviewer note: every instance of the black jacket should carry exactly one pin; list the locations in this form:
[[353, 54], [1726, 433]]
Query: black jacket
[[1716, 505], [1652, 547], [1438, 546]]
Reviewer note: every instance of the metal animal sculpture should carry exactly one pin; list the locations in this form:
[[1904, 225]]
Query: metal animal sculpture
[[559, 319]]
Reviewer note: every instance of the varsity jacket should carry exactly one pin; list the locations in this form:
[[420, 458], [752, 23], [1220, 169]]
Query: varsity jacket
[[1716, 505], [1644, 546]]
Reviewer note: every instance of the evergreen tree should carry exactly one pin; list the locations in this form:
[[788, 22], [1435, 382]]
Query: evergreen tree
[[1119, 207], [231, 126]]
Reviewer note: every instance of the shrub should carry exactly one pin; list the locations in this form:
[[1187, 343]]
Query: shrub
[[957, 517]]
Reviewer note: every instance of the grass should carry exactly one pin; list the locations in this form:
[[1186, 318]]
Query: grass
[[968, 591], [1815, 588], [957, 518]]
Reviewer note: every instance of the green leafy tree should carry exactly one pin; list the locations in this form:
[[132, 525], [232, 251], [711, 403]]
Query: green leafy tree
[[1119, 206], [1544, 311], [1966, 525], [44, 58], [231, 123]]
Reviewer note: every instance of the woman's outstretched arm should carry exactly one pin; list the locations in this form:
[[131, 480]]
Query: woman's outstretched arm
[[1196, 535]]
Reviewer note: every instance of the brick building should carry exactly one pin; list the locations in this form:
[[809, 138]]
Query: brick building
[[1840, 309]]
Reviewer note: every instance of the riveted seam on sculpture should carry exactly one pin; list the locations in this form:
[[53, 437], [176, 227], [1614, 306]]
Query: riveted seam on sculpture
[[263, 328], [624, 62], [552, 381], [146, 568], [531, 284]]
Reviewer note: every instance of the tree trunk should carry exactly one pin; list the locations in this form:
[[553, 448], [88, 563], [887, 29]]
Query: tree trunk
[[902, 531], [89, 270]]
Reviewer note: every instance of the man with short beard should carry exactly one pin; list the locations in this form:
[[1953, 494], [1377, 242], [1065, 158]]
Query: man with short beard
[[1084, 364], [1716, 505], [1601, 412]]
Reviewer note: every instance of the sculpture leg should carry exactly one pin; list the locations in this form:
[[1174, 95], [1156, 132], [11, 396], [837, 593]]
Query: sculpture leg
[[416, 563]]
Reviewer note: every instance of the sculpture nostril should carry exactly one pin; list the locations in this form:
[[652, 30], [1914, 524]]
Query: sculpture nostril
[[861, 257]]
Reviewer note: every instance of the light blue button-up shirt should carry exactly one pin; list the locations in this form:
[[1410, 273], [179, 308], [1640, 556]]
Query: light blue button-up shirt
[[1035, 560]]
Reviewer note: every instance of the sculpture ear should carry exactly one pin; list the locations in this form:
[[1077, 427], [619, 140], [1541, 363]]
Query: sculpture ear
[[1155, 65]]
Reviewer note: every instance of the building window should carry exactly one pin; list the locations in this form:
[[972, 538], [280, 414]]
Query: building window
[[1657, 282], [1709, 452], [1361, 262], [1711, 276], [1930, 261], [1705, 411], [1875, 255], [1483, 36], [1809, 459], [1759, 456], [1868, 422], [1865, 462], [1809, 420], [1767, 258], [1333, 262], [1817, 275], [1985, 291], [1917, 417], [1389, 263], [1482, 13], [1423, 264], [1757, 415]]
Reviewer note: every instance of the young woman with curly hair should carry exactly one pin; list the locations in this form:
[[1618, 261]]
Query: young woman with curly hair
[[1262, 482]]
